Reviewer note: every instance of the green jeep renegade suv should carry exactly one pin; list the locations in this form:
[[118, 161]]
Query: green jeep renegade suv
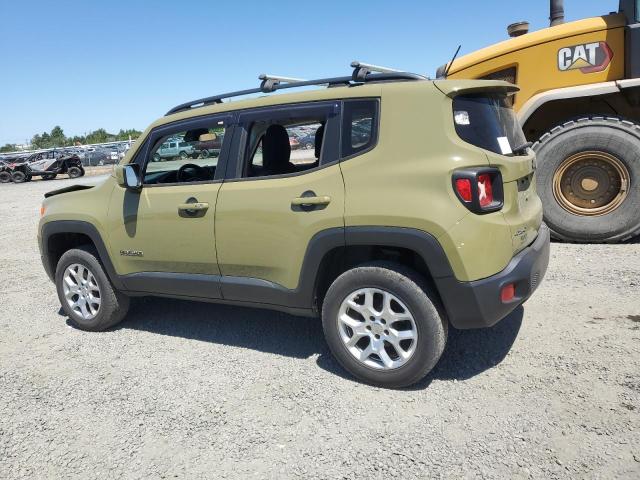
[[415, 210]]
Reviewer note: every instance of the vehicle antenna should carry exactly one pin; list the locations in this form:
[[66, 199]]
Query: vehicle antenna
[[446, 72]]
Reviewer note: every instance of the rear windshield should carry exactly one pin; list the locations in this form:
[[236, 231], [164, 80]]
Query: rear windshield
[[487, 121]]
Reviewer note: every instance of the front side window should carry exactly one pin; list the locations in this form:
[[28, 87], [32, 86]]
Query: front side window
[[185, 156], [284, 147], [359, 128], [487, 121]]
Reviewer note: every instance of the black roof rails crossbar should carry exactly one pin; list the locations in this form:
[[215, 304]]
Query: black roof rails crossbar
[[271, 84]]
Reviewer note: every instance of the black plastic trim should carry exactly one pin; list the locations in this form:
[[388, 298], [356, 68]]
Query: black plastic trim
[[478, 304], [75, 226], [169, 283]]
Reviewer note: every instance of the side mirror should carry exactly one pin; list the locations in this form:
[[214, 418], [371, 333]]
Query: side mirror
[[128, 176]]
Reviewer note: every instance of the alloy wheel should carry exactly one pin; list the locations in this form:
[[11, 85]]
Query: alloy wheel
[[377, 328], [81, 291]]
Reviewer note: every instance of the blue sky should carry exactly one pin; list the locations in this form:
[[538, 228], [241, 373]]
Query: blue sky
[[121, 64]]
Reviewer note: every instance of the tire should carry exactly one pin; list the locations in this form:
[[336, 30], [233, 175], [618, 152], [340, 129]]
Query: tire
[[113, 304], [204, 154], [74, 172], [156, 157], [5, 177], [411, 291], [50, 176], [183, 155], [18, 177], [309, 146], [610, 147]]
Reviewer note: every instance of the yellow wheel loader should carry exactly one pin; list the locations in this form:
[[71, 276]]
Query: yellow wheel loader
[[579, 105]]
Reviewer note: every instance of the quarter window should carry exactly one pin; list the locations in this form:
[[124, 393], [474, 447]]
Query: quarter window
[[359, 128]]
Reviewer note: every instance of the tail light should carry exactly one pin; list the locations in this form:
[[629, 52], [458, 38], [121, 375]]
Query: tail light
[[479, 189]]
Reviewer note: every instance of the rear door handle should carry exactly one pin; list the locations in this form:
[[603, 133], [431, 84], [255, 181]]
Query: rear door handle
[[311, 201]]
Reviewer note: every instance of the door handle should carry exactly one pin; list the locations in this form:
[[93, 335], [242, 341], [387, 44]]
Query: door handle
[[310, 201], [193, 208]]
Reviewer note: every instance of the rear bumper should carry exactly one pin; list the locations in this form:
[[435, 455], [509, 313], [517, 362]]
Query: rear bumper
[[478, 304]]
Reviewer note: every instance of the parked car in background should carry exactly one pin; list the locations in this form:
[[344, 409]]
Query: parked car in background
[[209, 145], [308, 141], [47, 165], [294, 143], [174, 148]]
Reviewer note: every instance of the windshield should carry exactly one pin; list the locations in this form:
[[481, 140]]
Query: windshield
[[487, 121]]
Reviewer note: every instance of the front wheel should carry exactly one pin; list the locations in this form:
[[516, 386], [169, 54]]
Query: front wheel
[[384, 325], [588, 179], [5, 177], [85, 292]]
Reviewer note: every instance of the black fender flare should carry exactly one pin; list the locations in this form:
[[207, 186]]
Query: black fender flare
[[76, 226]]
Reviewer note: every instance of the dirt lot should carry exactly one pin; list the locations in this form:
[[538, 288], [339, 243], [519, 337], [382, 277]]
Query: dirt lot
[[202, 391]]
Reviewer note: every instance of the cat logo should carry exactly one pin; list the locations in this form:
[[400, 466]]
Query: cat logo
[[588, 58]]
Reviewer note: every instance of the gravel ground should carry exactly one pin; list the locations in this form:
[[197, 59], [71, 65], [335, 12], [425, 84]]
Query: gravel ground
[[194, 390]]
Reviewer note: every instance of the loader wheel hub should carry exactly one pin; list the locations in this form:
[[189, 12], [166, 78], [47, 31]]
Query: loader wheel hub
[[591, 183]]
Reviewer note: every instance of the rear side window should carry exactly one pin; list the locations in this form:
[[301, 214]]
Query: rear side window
[[487, 121], [360, 126]]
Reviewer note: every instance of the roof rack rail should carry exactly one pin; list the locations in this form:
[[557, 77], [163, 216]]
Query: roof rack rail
[[269, 82], [362, 73], [361, 70]]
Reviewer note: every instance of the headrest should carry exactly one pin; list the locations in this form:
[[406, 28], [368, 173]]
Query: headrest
[[208, 137], [194, 135]]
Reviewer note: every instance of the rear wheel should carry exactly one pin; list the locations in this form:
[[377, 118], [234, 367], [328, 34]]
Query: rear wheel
[[85, 292], [183, 155], [383, 324], [5, 177], [588, 179], [74, 172], [18, 177]]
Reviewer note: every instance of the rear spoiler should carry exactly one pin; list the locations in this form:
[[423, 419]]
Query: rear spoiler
[[453, 88]]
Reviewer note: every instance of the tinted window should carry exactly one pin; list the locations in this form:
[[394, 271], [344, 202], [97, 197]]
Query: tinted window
[[185, 156], [359, 128], [283, 147], [487, 121]]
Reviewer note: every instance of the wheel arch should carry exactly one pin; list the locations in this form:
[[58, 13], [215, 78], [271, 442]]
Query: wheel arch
[[544, 111], [409, 247], [59, 236]]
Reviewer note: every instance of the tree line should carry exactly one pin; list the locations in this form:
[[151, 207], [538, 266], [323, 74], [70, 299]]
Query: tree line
[[57, 138]]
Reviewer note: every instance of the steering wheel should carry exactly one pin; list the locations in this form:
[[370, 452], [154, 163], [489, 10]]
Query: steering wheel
[[190, 172]]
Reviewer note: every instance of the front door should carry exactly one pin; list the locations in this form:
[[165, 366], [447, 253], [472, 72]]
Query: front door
[[280, 196], [163, 237]]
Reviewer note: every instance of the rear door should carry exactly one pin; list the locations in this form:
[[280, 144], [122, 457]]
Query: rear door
[[276, 198]]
